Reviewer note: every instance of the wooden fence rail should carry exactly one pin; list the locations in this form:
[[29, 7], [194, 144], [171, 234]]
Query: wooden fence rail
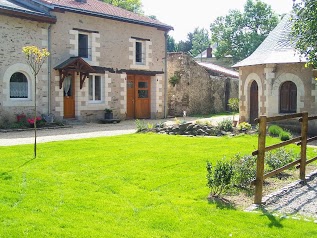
[[301, 140]]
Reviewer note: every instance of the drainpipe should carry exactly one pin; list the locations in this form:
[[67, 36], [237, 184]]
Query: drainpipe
[[49, 62], [165, 77]]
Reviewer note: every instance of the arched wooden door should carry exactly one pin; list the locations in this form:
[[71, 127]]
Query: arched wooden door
[[254, 102]]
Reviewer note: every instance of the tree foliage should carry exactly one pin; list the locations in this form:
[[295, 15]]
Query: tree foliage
[[239, 33], [171, 44], [305, 29], [130, 5], [200, 41]]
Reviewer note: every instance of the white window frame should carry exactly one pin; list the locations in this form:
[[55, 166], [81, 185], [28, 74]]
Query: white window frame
[[102, 83]]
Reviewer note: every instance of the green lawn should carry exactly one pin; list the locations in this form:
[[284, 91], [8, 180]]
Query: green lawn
[[141, 185]]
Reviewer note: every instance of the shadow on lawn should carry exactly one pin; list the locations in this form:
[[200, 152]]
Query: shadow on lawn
[[221, 203], [7, 176], [274, 222]]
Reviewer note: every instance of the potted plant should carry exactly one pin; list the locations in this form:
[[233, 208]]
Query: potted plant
[[108, 113], [234, 108]]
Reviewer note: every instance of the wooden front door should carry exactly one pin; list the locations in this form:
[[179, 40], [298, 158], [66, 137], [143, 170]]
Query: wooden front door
[[69, 96], [138, 96], [254, 104]]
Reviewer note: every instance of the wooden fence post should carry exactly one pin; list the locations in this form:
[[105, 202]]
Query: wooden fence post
[[260, 161], [304, 131]]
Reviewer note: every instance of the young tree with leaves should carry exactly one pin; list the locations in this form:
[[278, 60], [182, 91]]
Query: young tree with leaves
[[239, 33], [305, 29], [35, 58]]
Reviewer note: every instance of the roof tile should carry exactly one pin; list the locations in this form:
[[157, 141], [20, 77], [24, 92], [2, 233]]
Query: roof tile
[[106, 10]]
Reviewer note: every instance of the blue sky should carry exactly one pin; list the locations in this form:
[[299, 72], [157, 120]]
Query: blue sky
[[185, 16]]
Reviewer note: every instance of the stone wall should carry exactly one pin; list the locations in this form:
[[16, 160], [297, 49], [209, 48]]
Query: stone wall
[[15, 34], [197, 92], [112, 47]]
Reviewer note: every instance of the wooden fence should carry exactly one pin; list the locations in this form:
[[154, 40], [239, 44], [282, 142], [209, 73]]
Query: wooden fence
[[301, 140]]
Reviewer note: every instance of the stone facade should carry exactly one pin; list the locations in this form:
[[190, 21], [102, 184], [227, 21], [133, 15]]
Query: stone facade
[[16, 33], [269, 79], [197, 92], [112, 49]]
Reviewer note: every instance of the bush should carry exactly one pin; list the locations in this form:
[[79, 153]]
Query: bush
[[225, 125], [279, 158], [244, 168], [244, 126], [275, 130], [219, 178], [285, 135], [140, 125]]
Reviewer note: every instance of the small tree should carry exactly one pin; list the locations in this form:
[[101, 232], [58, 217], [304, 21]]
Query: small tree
[[234, 106], [35, 58]]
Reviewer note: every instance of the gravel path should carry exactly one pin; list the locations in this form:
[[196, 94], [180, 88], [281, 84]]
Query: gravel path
[[295, 200]]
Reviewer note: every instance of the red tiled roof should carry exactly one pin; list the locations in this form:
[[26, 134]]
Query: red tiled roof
[[103, 9]]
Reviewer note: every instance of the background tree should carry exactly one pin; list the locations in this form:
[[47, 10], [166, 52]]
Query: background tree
[[186, 46], [305, 29], [239, 33], [171, 44], [35, 59], [200, 41], [130, 5]]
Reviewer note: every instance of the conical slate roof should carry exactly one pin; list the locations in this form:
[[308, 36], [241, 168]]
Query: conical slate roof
[[278, 47]]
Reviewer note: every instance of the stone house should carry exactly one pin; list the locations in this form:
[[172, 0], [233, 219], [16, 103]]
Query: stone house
[[274, 80], [101, 57], [198, 87]]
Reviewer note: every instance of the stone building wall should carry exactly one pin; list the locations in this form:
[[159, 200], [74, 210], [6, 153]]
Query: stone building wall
[[197, 92], [15, 34], [112, 47]]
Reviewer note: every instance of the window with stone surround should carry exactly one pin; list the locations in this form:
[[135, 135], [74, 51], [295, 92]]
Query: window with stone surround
[[140, 52], [83, 45], [19, 86], [95, 88], [288, 97]]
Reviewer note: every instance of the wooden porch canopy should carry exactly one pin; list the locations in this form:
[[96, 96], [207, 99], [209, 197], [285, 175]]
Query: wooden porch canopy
[[74, 64]]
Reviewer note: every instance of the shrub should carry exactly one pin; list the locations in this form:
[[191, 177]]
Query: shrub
[[285, 135], [219, 177], [279, 158], [275, 130], [140, 125], [244, 168], [244, 126], [225, 125]]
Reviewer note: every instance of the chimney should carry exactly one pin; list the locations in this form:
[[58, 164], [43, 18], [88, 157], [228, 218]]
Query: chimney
[[209, 52]]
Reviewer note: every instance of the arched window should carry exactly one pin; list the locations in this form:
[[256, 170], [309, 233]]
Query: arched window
[[19, 86], [288, 97]]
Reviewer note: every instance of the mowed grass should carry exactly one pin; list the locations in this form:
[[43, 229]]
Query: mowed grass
[[140, 185]]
